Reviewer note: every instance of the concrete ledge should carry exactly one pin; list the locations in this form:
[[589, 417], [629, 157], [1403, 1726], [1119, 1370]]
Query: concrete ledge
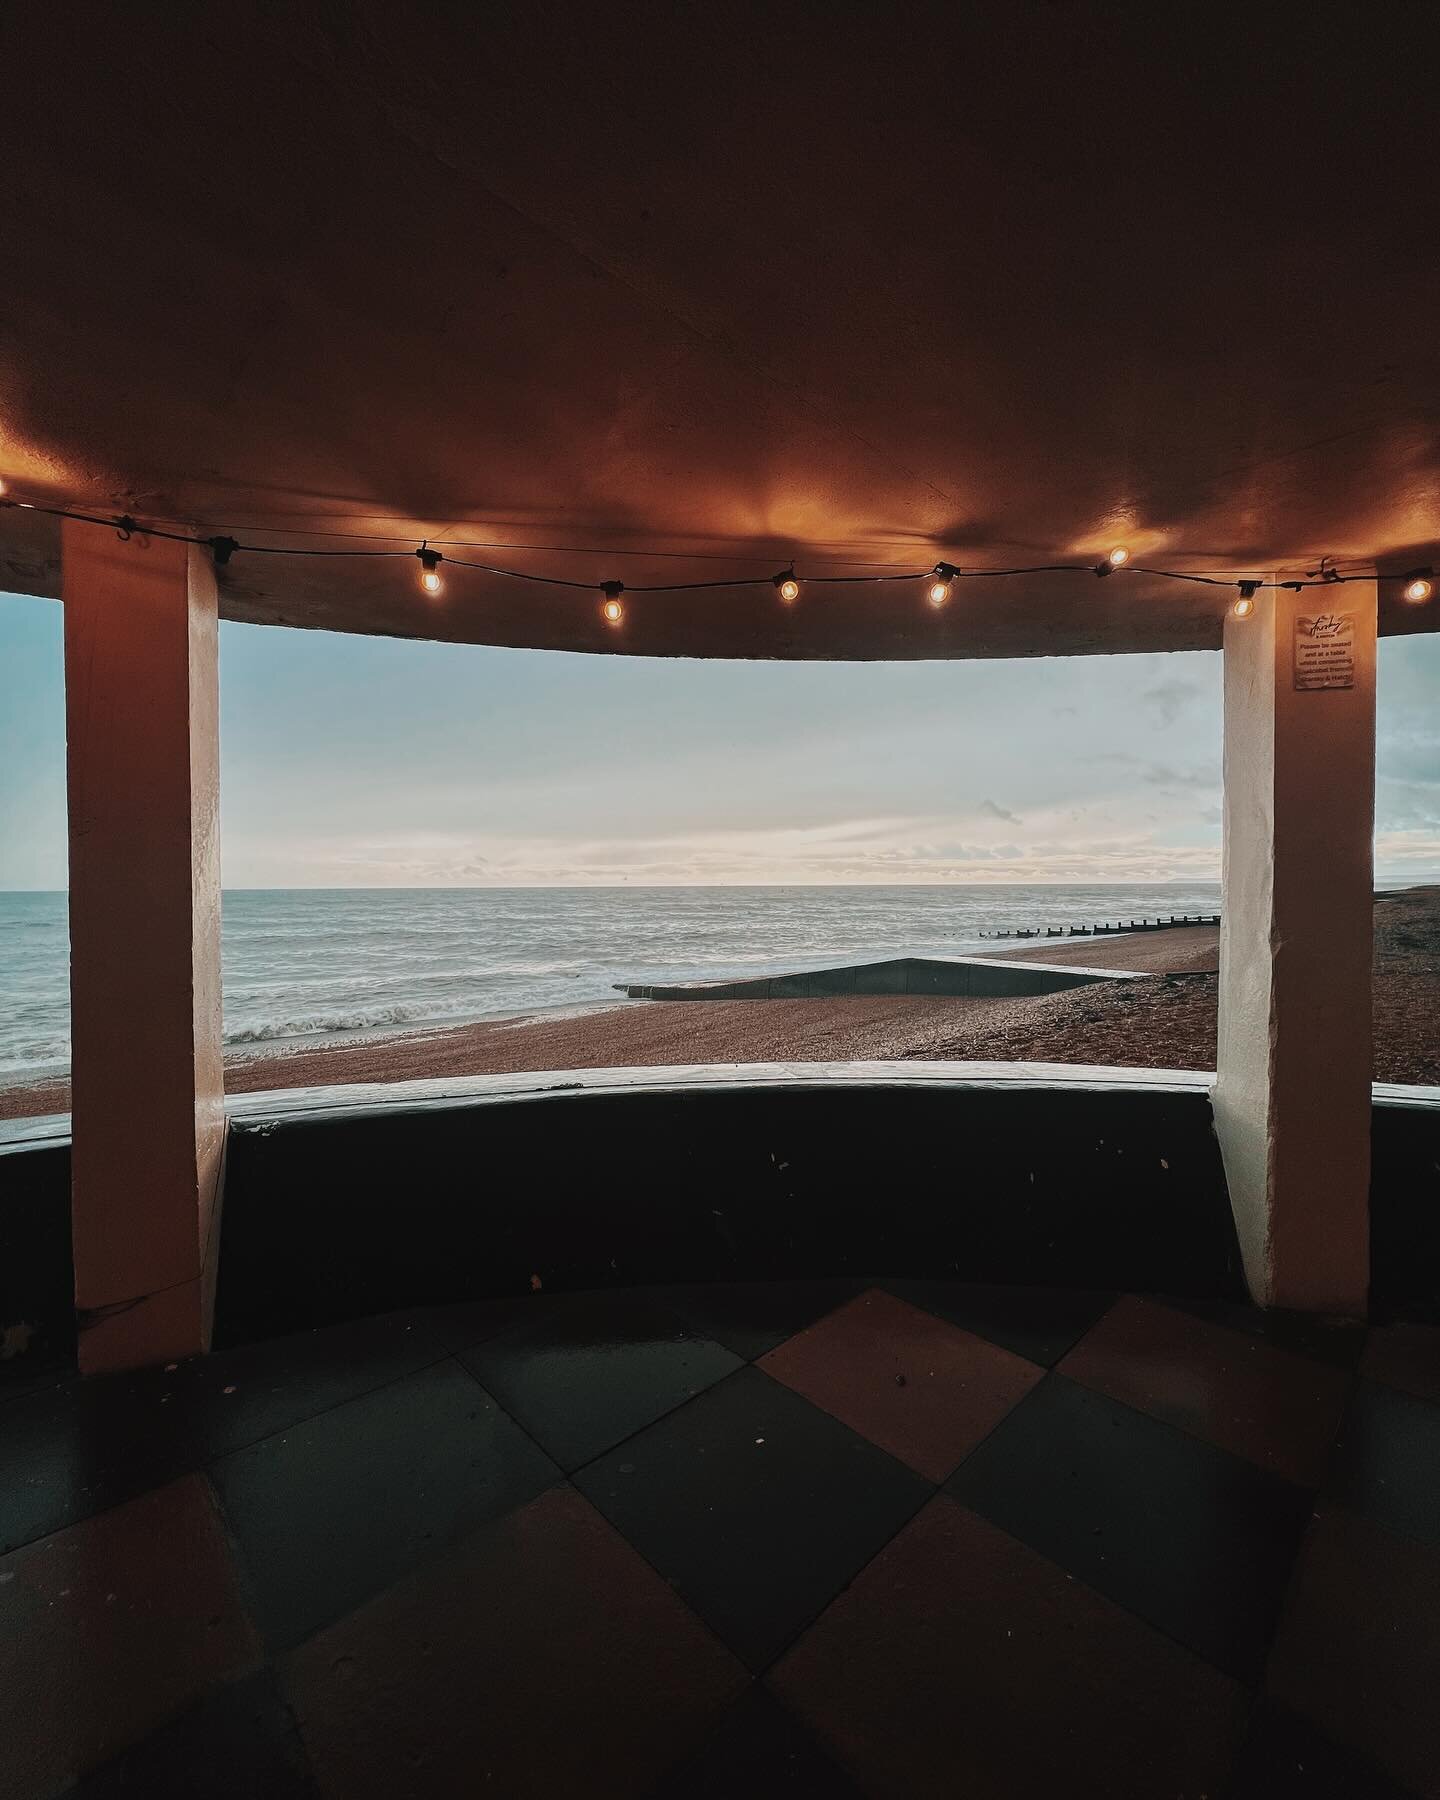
[[980, 977], [253, 1111], [348, 1199]]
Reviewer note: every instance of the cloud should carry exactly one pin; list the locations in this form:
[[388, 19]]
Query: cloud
[[1202, 779], [1197, 780], [850, 851], [1169, 698], [1406, 849], [992, 811]]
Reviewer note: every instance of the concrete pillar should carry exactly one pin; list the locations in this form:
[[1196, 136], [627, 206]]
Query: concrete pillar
[[142, 710], [1292, 1098]]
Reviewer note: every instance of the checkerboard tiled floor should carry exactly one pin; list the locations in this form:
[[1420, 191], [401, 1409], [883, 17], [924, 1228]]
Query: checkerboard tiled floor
[[812, 1540]]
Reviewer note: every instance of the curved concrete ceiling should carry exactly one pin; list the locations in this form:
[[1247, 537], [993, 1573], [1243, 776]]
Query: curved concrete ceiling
[[696, 289]]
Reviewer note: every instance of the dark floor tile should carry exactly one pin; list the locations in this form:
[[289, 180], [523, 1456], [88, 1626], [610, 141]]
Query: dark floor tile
[[86, 1445], [468, 1322], [762, 1752], [336, 1509], [1194, 1540], [960, 1662], [587, 1376], [756, 1505], [541, 1658], [40, 1367], [1387, 1461], [1037, 1323], [1358, 1654], [239, 1743], [1406, 1357], [1285, 1758], [916, 1385], [1277, 1409], [109, 1628], [751, 1317], [1338, 1344]]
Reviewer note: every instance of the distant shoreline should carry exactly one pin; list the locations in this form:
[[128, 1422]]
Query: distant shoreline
[[1167, 1022]]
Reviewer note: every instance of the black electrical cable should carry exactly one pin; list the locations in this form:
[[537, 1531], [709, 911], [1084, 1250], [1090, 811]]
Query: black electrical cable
[[224, 546]]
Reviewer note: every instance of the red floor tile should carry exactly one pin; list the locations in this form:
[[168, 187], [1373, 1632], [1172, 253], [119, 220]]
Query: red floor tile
[[111, 1627], [1405, 1356], [1358, 1651], [1279, 1410], [962, 1663], [920, 1388], [543, 1658]]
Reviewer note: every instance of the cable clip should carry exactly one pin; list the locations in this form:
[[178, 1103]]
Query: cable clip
[[125, 528]]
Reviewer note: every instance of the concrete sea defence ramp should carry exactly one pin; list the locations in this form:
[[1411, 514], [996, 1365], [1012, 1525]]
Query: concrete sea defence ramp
[[973, 977]]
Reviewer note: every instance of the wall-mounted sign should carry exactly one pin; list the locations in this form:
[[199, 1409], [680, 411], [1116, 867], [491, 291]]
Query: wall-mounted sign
[[1325, 650]]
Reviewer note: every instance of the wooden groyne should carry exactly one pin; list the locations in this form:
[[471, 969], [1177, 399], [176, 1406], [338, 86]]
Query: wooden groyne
[[1173, 923]]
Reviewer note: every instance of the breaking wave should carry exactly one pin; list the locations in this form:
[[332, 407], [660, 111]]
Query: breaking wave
[[317, 1024]]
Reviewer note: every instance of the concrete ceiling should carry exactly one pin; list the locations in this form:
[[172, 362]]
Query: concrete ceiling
[[670, 292]]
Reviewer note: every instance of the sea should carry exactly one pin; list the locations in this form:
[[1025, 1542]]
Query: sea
[[316, 965]]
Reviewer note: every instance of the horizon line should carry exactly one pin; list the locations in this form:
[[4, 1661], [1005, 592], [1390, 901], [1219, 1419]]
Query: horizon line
[[1410, 879]]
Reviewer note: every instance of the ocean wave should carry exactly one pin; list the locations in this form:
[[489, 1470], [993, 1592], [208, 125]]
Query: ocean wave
[[34, 1054], [315, 1024]]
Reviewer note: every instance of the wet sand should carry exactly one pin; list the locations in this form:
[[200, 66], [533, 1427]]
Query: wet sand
[[1166, 1022]]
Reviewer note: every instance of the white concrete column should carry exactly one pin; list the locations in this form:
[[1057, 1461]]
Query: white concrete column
[[142, 716], [1292, 1098]]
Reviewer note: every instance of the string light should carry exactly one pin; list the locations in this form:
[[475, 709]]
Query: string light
[[1115, 559], [939, 591], [430, 561], [1418, 584]]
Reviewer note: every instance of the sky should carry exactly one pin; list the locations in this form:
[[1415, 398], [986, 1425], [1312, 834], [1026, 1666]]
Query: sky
[[371, 762]]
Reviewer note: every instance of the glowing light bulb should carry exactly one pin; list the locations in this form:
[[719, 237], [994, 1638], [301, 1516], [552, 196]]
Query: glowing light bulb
[[612, 612], [1418, 587], [430, 561], [786, 586], [938, 591], [1115, 558], [2, 484], [1243, 607]]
